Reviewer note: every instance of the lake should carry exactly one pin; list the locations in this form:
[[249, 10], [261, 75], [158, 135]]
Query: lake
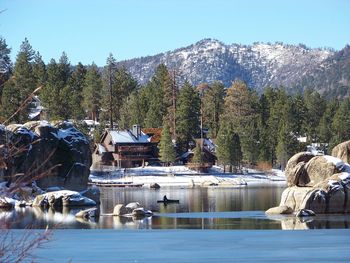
[[199, 208], [206, 226]]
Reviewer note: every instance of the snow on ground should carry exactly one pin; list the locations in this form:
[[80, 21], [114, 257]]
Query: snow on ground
[[184, 177]]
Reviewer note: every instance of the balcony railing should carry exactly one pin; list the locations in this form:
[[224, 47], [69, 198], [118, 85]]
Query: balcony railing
[[121, 149]]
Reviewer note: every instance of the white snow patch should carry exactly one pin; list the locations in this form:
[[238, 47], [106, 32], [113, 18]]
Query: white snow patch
[[344, 176], [342, 166], [183, 177]]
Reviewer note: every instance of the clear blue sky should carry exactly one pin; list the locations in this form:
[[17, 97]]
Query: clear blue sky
[[89, 30]]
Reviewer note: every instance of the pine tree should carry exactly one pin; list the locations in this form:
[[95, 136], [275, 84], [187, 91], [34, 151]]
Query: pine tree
[[341, 124], [212, 107], [198, 154], [117, 85], [56, 94], [24, 81], [76, 85], [264, 115], [315, 106], [240, 111], [187, 116], [130, 112], [159, 92], [277, 100], [5, 63], [325, 128], [10, 101], [287, 144], [228, 147], [92, 92], [39, 70], [166, 149]]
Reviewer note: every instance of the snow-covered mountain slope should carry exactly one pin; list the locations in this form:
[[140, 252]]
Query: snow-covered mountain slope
[[259, 64]]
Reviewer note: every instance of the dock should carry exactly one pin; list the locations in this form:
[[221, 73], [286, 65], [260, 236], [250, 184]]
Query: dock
[[115, 184]]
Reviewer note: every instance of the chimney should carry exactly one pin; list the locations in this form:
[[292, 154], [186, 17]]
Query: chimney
[[136, 130]]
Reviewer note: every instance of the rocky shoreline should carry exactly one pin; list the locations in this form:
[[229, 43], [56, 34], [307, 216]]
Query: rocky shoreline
[[317, 184]]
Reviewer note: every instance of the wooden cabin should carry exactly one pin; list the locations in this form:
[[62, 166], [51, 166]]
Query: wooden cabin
[[124, 149]]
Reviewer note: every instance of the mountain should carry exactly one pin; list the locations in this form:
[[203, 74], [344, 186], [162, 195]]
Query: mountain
[[259, 64], [332, 77]]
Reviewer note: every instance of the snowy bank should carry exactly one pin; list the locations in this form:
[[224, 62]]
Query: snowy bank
[[181, 176]]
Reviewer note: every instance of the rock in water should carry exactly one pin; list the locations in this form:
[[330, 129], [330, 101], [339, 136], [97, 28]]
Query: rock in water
[[88, 213], [141, 212], [320, 184], [279, 210], [120, 210], [131, 206], [305, 212], [68, 198], [154, 186]]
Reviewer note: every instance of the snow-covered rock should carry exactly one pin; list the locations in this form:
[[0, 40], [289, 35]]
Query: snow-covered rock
[[88, 213], [141, 212], [58, 154], [342, 151], [320, 184], [131, 206], [64, 198]]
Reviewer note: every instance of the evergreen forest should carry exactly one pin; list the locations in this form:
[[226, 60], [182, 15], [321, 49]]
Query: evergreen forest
[[247, 127]]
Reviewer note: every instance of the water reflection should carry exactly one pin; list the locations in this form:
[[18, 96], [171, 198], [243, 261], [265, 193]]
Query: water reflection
[[317, 222], [199, 208]]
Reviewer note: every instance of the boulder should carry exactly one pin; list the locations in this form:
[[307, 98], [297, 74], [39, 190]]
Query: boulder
[[154, 186], [6, 202], [305, 212], [318, 169], [131, 206], [293, 196], [321, 184], [279, 210], [88, 213], [141, 212], [63, 198], [342, 151], [40, 201], [93, 193], [293, 171], [60, 155], [120, 210]]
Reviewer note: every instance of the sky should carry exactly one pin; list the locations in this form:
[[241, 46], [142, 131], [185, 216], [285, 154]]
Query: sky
[[89, 30]]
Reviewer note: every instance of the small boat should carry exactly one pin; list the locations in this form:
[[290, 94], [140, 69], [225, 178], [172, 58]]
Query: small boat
[[168, 201]]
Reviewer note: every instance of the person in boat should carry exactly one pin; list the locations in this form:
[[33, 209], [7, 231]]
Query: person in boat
[[165, 199]]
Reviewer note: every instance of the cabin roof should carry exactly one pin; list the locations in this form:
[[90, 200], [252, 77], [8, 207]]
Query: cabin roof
[[128, 137]]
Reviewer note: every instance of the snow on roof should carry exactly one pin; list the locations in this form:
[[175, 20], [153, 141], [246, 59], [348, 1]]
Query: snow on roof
[[128, 137]]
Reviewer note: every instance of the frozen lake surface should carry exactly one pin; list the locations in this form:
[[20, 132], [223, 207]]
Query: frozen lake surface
[[209, 225], [331, 245]]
